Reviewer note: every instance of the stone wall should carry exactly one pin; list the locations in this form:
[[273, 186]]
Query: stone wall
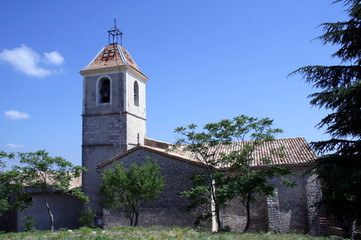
[[131, 108], [286, 211], [273, 213], [314, 194], [235, 215], [295, 207], [92, 156], [109, 128], [292, 202], [170, 208], [66, 210], [8, 221], [136, 130], [91, 94], [136, 115]]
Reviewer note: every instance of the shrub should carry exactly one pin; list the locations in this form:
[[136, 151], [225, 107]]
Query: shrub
[[28, 223], [87, 218]]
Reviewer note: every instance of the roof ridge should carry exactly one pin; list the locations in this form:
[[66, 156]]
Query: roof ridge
[[297, 152]]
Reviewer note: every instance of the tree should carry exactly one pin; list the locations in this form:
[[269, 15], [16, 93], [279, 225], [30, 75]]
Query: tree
[[200, 195], [246, 181], [341, 91], [12, 194], [48, 175], [130, 189], [208, 147]]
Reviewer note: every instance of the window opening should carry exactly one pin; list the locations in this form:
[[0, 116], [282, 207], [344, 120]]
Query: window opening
[[104, 91], [136, 94]]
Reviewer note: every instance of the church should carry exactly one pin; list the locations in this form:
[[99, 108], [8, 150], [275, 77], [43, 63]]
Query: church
[[114, 130]]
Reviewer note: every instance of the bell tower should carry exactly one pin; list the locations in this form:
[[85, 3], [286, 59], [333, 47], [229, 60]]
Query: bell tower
[[114, 110]]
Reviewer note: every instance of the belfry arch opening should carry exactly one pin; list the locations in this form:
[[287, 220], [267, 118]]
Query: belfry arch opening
[[136, 94], [104, 90]]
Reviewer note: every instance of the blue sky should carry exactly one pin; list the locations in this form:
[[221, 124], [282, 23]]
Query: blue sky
[[206, 61]]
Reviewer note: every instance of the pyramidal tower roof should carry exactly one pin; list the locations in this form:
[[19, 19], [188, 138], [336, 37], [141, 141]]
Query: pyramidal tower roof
[[112, 58]]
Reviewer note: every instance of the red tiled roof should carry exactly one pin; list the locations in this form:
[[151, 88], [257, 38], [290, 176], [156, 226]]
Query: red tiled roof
[[295, 152], [74, 183], [111, 56]]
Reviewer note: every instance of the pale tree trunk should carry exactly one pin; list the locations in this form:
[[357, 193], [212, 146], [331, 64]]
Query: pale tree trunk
[[51, 216], [213, 207]]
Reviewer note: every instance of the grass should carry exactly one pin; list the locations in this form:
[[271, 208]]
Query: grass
[[153, 234]]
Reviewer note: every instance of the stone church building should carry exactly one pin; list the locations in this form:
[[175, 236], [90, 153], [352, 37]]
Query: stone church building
[[114, 130]]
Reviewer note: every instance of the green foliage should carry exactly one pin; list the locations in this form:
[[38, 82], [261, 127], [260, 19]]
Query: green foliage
[[87, 218], [130, 189], [340, 177], [229, 175], [340, 93], [131, 233], [86, 230], [200, 194], [48, 174], [28, 223], [12, 195]]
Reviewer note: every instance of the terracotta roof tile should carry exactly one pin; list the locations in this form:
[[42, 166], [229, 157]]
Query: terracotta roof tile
[[295, 152], [74, 183], [111, 56]]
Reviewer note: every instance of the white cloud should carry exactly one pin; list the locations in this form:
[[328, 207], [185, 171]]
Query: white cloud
[[11, 145], [54, 58], [26, 60], [13, 114]]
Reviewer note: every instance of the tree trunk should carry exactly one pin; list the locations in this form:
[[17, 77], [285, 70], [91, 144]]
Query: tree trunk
[[219, 221], [136, 218], [213, 207], [131, 218], [248, 219], [49, 212]]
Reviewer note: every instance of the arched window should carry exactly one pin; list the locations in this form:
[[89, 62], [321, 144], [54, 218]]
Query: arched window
[[136, 94], [104, 90]]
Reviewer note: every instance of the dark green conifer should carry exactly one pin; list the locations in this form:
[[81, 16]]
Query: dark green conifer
[[339, 167]]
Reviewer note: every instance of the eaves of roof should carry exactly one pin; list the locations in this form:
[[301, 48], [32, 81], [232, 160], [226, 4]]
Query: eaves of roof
[[152, 150]]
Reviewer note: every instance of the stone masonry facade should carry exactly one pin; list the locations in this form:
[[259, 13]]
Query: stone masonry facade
[[170, 208], [114, 130], [286, 211], [109, 128]]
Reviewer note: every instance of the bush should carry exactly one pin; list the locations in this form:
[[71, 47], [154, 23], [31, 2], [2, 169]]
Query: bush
[[28, 224], [87, 218]]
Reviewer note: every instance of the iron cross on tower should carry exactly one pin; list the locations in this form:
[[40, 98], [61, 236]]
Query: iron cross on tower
[[115, 34]]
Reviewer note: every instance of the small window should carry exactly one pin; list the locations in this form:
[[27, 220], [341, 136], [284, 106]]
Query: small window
[[136, 94], [104, 90]]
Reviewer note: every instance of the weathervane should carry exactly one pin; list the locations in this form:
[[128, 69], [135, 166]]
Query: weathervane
[[115, 34]]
